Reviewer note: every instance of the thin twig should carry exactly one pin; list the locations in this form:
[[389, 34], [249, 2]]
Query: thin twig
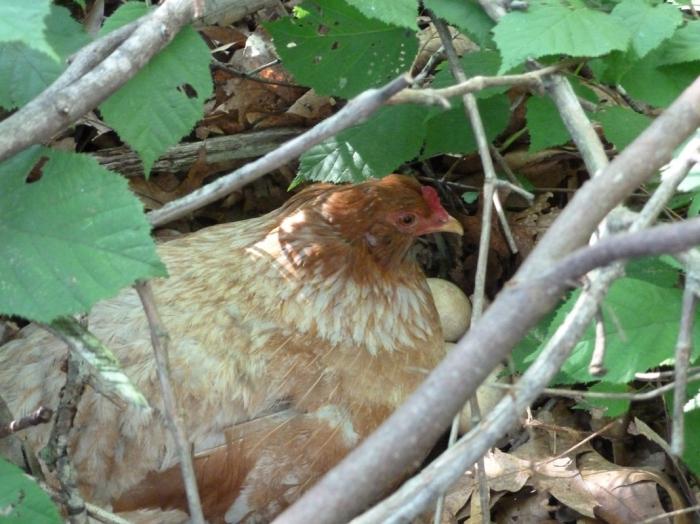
[[160, 340], [103, 515], [655, 376], [39, 416], [501, 214], [515, 188], [356, 111], [596, 367], [441, 96], [684, 347], [600, 395], [664, 516], [381, 458], [55, 454], [489, 199]]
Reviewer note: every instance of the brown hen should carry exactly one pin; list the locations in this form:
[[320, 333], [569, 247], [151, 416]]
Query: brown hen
[[293, 336]]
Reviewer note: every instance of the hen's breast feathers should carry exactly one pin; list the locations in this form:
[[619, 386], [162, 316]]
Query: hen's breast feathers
[[269, 312]]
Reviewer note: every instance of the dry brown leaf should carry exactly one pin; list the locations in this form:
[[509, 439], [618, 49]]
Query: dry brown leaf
[[627, 494]]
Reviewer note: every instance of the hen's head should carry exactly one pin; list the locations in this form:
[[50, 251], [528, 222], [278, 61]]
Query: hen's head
[[382, 217]]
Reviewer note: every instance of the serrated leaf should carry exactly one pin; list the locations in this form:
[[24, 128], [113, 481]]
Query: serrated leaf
[[554, 29], [609, 69], [467, 15], [25, 72], [63, 33], [658, 86], [683, 47], [335, 49], [162, 103], [22, 500], [402, 13], [363, 151], [74, 237], [641, 326], [649, 24], [25, 22], [544, 124], [450, 131], [622, 125]]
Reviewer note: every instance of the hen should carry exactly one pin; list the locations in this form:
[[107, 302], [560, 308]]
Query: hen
[[293, 336]]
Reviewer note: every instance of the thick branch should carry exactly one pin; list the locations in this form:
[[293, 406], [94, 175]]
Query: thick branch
[[387, 454], [44, 116], [356, 111]]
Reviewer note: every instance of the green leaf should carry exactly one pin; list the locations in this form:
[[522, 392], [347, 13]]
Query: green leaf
[[545, 125], [612, 408], [622, 125], [363, 151], [335, 49], [694, 209], [658, 86], [25, 72], [64, 34], [641, 326], [74, 237], [450, 131], [22, 500], [649, 24], [467, 15], [691, 453], [470, 197], [609, 69], [684, 46], [654, 271], [25, 22], [162, 103], [554, 29], [397, 12]]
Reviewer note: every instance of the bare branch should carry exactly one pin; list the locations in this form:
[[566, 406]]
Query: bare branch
[[55, 454], [440, 97], [40, 416], [490, 198], [579, 394], [103, 66], [160, 339], [356, 111], [682, 358], [58, 108], [382, 458]]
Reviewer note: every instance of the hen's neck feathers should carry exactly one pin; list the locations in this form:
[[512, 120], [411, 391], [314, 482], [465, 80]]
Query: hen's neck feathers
[[311, 265], [329, 226]]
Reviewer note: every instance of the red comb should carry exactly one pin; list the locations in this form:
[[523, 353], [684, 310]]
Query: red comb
[[433, 200]]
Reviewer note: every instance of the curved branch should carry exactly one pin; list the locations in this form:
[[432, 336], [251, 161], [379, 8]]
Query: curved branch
[[388, 453], [356, 111], [59, 107]]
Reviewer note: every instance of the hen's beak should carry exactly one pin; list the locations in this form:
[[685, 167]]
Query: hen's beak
[[451, 225]]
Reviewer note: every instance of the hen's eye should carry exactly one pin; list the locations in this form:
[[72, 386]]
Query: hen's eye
[[407, 220]]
